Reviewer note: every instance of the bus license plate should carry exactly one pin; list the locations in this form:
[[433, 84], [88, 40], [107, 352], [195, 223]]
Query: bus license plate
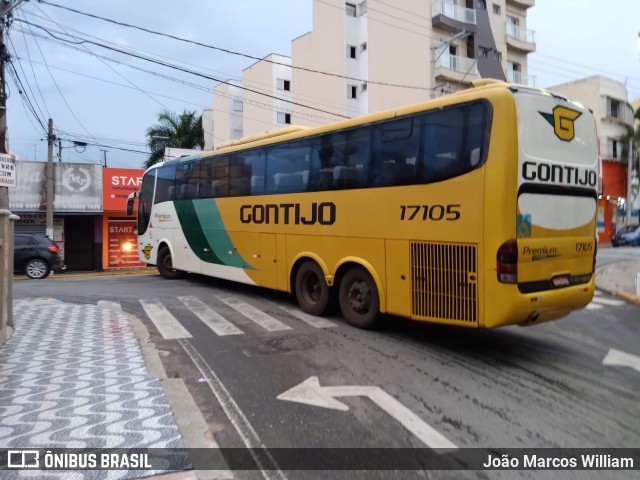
[[563, 281]]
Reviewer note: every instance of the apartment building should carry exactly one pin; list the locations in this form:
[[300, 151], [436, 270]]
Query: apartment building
[[226, 114], [608, 99], [369, 55]]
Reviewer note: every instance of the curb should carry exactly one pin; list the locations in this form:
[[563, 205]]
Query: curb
[[628, 297], [61, 276], [193, 427]]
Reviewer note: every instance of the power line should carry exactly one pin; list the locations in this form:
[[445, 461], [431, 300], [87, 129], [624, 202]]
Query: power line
[[176, 67], [194, 42]]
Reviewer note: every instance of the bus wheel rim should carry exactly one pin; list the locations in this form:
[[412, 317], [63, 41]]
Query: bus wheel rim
[[359, 297], [312, 288]]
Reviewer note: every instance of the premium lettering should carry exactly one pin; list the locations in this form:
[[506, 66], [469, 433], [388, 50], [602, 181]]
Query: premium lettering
[[289, 213], [561, 174]]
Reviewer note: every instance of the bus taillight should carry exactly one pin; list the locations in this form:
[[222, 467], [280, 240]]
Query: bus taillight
[[508, 262]]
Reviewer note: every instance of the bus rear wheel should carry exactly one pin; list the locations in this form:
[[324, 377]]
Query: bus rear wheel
[[165, 265], [312, 292], [359, 298]]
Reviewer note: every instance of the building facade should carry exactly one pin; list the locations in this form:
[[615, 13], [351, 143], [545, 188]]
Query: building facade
[[77, 209], [90, 224], [119, 248], [365, 56], [608, 100]]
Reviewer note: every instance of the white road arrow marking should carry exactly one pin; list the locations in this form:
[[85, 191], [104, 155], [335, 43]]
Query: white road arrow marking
[[618, 358], [311, 393]]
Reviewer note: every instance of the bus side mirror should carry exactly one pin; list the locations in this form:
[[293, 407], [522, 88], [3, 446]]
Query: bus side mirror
[[130, 200]]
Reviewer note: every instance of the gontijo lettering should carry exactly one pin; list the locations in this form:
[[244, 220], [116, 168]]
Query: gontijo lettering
[[559, 174], [289, 213]]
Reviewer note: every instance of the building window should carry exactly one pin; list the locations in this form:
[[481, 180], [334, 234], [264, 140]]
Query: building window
[[496, 9], [483, 52], [614, 108], [352, 91], [236, 133], [350, 9], [363, 47], [352, 51], [482, 4], [237, 105], [363, 87], [284, 118], [284, 84]]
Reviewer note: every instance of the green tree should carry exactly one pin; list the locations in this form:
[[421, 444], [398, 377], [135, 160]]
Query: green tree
[[175, 131]]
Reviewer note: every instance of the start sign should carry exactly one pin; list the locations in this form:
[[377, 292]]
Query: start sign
[[7, 171]]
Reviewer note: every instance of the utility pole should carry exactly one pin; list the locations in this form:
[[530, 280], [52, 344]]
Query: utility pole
[[629, 203], [6, 218], [50, 180]]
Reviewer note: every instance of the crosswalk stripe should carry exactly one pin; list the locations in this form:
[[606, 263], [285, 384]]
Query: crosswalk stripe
[[317, 322], [252, 313], [165, 322], [110, 305], [593, 306], [609, 301], [212, 319]]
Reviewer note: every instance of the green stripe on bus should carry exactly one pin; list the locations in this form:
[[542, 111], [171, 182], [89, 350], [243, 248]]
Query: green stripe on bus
[[206, 234]]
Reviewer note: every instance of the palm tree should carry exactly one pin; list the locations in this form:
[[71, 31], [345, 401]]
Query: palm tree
[[177, 131]]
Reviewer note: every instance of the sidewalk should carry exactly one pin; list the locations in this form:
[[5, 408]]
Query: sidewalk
[[619, 279], [80, 376]]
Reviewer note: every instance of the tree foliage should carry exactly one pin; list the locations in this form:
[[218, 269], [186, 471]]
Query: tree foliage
[[174, 131]]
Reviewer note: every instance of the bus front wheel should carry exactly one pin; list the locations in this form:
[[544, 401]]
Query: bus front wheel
[[359, 298], [165, 265], [312, 292]]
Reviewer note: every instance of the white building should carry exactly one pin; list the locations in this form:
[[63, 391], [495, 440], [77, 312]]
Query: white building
[[368, 55], [608, 100]]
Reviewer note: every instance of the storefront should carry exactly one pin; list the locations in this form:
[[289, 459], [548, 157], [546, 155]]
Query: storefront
[[77, 209], [119, 230], [614, 175]]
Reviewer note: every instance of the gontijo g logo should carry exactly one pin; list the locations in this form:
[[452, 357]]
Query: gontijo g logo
[[562, 120]]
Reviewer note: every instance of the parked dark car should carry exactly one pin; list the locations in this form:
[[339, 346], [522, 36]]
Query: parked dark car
[[632, 237], [36, 256], [620, 238]]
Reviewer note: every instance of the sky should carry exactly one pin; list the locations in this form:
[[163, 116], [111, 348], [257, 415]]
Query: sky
[[96, 95]]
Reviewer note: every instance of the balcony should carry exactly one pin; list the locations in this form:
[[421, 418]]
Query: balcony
[[520, 79], [454, 68], [520, 39], [453, 17], [522, 3]]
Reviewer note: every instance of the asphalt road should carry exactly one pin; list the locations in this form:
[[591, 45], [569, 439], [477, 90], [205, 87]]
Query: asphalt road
[[543, 386]]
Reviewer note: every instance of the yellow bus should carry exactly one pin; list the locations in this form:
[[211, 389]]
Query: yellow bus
[[475, 209]]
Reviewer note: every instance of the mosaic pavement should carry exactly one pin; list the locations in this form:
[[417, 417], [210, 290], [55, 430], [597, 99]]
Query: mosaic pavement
[[73, 376]]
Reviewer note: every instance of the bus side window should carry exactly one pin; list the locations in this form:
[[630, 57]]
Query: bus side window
[[396, 151], [288, 167], [453, 141], [341, 160], [165, 187], [250, 167]]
